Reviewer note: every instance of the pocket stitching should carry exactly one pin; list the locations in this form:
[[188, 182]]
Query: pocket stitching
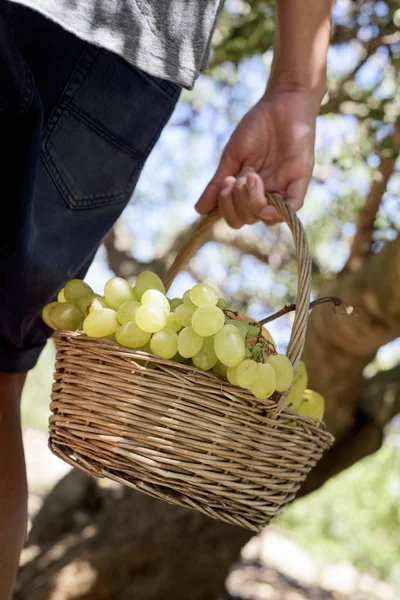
[[102, 131], [73, 199], [76, 202], [75, 195]]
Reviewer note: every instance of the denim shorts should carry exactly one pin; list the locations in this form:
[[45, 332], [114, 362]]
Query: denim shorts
[[77, 124]]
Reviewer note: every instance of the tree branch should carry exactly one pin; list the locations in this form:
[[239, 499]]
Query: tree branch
[[388, 35], [362, 240], [380, 397], [223, 234], [120, 259], [118, 247], [337, 350], [336, 98]]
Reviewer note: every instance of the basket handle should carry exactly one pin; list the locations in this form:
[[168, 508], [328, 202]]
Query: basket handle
[[193, 241]]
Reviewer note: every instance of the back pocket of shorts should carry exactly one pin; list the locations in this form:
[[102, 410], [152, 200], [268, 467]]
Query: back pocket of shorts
[[103, 129]]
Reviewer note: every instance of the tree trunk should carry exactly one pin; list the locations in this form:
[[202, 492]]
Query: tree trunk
[[337, 350]]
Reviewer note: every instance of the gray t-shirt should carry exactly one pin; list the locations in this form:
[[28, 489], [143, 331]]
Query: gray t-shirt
[[166, 38]]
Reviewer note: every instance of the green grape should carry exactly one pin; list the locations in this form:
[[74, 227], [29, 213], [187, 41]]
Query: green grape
[[84, 301], [312, 405], [172, 322], [187, 301], [174, 303], [151, 318], [127, 311], [259, 389], [46, 314], [243, 328], [156, 298], [75, 289], [117, 291], [65, 315], [267, 375], [231, 376], [283, 369], [97, 303], [164, 343], [206, 358], [265, 383], [220, 369], [247, 353], [61, 296], [183, 314], [148, 281], [246, 373], [222, 304], [101, 323], [208, 320], [189, 342], [229, 346], [253, 331], [203, 295], [131, 336]]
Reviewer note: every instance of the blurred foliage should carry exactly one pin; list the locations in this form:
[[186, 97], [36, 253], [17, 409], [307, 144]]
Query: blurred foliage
[[244, 29]]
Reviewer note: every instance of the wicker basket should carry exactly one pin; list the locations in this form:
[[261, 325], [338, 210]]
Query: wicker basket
[[177, 433]]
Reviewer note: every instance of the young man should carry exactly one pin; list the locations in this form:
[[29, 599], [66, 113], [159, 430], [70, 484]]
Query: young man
[[86, 88]]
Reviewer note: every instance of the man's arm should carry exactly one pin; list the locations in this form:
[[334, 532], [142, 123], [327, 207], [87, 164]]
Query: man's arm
[[272, 149], [301, 44]]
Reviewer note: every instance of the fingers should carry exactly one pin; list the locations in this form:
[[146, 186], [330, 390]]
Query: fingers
[[296, 192], [256, 199], [242, 198], [270, 215], [209, 199]]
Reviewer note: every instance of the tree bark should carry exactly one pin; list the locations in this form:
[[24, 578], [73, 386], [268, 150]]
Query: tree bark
[[338, 347], [337, 350]]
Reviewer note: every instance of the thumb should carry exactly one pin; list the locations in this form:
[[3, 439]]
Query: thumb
[[209, 198]]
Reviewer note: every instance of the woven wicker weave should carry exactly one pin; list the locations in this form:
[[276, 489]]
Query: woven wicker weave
[[180, 434]]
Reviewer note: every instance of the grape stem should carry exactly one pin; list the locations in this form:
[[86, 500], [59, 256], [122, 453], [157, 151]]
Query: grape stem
[[337, 302]]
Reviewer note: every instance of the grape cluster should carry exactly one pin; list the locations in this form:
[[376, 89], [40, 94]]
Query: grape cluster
[[197, 329]]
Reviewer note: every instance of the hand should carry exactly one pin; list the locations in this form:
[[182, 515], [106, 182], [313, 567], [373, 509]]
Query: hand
[[271, 150]]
